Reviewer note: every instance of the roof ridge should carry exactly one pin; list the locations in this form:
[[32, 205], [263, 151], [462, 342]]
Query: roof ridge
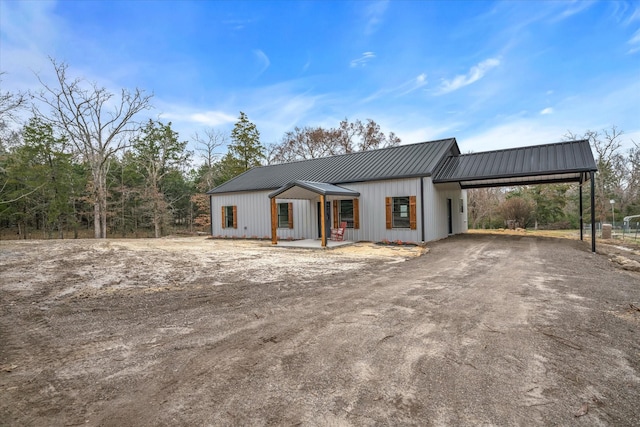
[[357, 152], [526, 146]]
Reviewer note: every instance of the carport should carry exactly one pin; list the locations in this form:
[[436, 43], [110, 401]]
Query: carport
[[570, 161]]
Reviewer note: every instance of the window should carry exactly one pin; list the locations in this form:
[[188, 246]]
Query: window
[[461, 206], [285, 215], [229, 217], [346, 211], [401, 212]]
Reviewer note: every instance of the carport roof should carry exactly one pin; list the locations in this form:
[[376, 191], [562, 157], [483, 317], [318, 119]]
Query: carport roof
[[569, 161]]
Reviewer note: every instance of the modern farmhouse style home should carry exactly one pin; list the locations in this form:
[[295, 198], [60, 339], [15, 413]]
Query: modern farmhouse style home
[[409, 193]]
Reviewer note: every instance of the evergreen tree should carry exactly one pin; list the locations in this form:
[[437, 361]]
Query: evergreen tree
[[245, 150]]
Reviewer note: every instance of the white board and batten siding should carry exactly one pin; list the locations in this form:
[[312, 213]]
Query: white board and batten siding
[[436, 218], [253, 209], [254, 212]]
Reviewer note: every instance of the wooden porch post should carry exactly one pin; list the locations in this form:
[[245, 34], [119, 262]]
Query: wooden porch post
[[274, 222], [322, 221]]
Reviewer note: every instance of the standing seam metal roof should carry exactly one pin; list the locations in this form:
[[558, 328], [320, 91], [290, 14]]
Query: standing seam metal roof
[[404, 161], [564, 158]]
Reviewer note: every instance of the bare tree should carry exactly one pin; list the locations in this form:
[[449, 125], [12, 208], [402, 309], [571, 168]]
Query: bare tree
[[483, 205], [314, 142], [96, 122], [517, 211], [208, 145], [611, 180], [10, 104]]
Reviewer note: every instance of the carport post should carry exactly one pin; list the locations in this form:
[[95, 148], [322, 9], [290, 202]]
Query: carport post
[[274, 223], [581, 219], [593, 212]]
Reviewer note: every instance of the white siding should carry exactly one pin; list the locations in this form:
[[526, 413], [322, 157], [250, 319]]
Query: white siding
[[373, 214], [254, 212], [254, 216], [436, 219]]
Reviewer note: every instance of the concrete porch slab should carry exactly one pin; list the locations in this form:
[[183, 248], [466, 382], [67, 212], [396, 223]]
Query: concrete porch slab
[[312, 244]]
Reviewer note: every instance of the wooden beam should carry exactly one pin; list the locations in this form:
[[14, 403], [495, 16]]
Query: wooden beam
[[581, 209], [593, 212], [274, 222], [322, 221]]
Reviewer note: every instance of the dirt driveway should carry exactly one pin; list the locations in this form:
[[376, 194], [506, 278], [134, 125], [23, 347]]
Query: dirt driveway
[[484, 330]]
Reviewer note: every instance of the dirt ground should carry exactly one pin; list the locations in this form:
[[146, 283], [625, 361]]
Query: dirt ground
[[479, 330]]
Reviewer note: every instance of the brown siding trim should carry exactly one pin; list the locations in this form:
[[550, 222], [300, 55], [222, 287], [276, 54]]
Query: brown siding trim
[[389, 201], [235, 216], [413, 223], [290, 208], [356, 214]]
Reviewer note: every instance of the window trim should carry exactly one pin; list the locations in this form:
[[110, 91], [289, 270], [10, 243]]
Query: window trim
[[225, 216]]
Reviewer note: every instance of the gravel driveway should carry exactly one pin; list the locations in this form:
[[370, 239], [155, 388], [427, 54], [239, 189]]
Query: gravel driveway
[[481, 330]]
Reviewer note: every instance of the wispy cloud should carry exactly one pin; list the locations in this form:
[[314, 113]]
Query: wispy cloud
[[475, 73], [547, 110], [205, 118], [634, 41], [400, 90], [413, 84], [575, 7], [362, 60], [374, 14], [263, 60]]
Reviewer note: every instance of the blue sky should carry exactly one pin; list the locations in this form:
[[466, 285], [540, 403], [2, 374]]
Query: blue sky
[[492, 74]]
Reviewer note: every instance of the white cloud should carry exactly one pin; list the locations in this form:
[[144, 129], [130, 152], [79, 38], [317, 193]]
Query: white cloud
[[373, 14], [475, 73], [574, 8], [263, 59], [362, 60], [547, 110], [413, 84], [634, 41], [207, 118]]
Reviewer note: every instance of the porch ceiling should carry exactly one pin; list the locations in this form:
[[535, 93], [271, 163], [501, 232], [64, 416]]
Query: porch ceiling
[[310, 190]]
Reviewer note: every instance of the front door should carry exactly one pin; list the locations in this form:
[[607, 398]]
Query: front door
[[449, 217], [327, 220]]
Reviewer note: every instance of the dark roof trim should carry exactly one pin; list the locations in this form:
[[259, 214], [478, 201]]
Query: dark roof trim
[[322, 188]]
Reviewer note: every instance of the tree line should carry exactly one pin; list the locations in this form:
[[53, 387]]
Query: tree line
[[83, 163]]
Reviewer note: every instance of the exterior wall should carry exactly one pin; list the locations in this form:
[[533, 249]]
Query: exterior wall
[[254, 216], [373, 213], [254, 212], [436, 219]]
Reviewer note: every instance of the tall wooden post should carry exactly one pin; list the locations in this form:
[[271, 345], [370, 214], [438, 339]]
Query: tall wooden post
[[322, 221], [593, 212], [581, 208], [274, 222]]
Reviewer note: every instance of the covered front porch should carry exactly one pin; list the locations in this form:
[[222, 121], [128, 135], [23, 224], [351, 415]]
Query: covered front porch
[[319, 192], [313, 244]]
